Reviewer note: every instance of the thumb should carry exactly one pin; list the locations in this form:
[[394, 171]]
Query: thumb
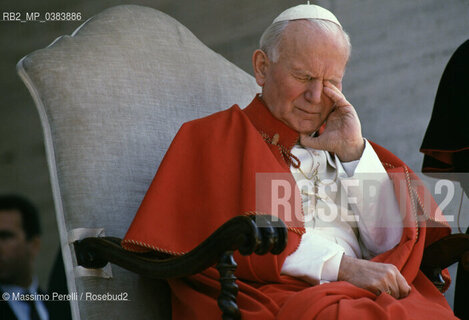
[[311, 142]]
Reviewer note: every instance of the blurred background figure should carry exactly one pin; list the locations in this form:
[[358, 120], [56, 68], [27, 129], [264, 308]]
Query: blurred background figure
[[19, 245], [20, 241], [446, 143]]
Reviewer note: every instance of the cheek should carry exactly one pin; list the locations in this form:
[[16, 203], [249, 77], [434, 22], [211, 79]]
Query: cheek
[[328, 103], [14, 250], [286, 94], [327, 109], [293, 92]]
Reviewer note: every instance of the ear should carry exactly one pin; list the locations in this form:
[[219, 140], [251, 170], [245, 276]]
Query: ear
[[260, 64]]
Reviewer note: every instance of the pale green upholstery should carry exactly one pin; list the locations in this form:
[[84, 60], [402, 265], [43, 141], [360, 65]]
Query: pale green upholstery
[[111, 97]]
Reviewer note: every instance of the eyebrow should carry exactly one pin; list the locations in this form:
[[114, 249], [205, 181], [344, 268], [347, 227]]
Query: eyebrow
[[302, 72], [305, 72]]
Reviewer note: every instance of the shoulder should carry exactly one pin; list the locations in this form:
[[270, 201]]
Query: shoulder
[[226, 122], [214, 118], [212, 135], [387, 158]]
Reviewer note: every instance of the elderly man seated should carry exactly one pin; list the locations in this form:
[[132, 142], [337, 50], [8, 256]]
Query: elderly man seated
[[358, 259]]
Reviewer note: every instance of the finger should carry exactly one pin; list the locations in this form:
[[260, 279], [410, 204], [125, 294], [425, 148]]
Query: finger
[[404, 288], [329, 84], [394, 289], [335, 94], [392, 275]]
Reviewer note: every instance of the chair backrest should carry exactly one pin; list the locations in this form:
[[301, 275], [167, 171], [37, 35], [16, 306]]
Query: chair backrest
[[110, 98]]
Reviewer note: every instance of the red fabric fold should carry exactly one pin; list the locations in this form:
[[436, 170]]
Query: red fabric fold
[[209, 176]]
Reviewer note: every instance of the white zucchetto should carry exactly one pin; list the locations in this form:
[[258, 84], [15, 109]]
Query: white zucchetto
[[307, 11]]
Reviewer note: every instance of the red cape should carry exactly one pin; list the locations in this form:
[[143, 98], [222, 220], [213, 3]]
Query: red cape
[[208, 176]]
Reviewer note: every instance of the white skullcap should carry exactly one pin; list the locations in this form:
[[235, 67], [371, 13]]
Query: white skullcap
[[307, 11]]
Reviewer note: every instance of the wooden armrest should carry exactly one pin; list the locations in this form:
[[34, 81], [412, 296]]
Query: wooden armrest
[[258, 234], [443, 253]]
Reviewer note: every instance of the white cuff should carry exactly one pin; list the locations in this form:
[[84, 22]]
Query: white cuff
[[368, 162], [330, 270], [315, 259]]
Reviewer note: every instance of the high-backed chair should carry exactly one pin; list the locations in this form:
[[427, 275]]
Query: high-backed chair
[[110, 98]]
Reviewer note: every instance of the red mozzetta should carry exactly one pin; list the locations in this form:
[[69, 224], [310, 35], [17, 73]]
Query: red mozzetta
[[208, 176]]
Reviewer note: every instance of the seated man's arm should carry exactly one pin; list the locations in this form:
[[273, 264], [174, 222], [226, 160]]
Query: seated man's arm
[[370, 194], [380, 226], [342, 136], [373, 276], [315, 259]]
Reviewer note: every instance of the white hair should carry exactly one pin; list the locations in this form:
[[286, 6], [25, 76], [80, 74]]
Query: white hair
[[270, 39]]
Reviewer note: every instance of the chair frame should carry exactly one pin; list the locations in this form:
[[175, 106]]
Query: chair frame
[[258, 234]]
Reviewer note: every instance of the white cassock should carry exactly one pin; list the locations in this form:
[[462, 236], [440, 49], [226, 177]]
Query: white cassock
[[349, 208]]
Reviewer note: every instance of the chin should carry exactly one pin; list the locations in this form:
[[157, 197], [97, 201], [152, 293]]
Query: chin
[[308, 130]]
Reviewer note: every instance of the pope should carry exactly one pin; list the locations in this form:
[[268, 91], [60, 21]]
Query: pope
[[300, 127]]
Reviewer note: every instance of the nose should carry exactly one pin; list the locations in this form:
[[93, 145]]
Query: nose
[[313, 91]]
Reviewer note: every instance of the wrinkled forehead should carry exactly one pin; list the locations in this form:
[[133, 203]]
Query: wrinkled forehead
[[303, 37]]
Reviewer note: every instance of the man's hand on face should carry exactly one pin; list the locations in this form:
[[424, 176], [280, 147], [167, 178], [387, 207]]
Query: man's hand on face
[[342, 133], [375, 277]]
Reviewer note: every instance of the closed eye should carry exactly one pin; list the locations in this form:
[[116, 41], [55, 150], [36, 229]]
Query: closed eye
[[334, 82], [304, 78]]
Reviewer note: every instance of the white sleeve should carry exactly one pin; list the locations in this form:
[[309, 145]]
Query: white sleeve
[[316, 259], [371, 196]]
